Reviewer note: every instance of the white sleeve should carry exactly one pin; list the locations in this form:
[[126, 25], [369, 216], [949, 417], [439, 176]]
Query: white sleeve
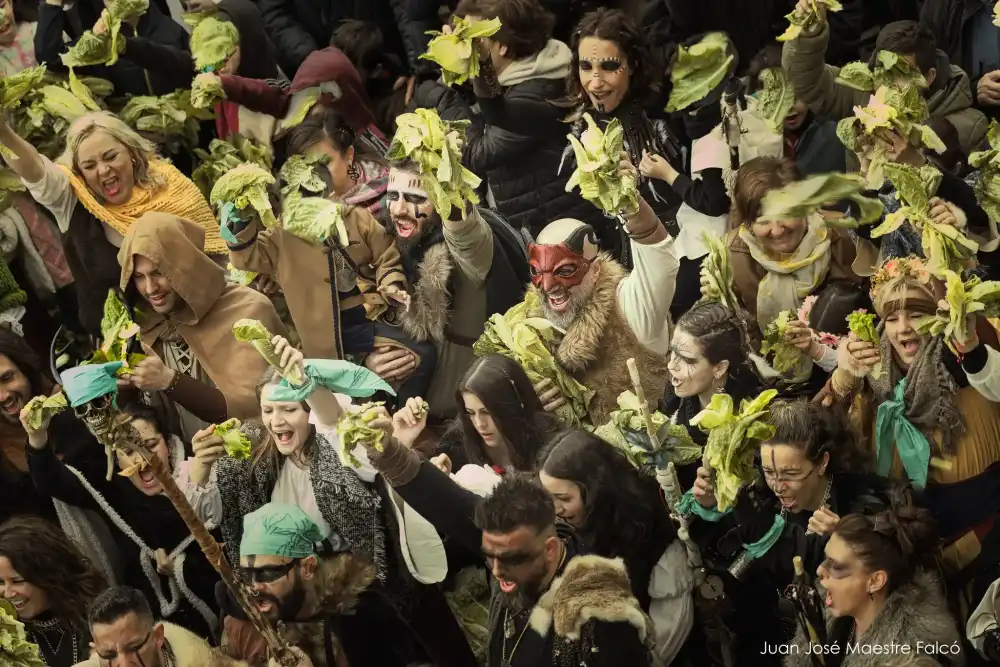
[[644, 296], [987, 380], [828, 361], [206, 501], [671, 587], [54, 193]]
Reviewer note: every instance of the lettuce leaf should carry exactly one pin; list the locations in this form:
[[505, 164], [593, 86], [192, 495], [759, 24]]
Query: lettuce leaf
[[698, 70], [890, 69], [117, 329], [626, 430], [355, 432], [523, 339], [192, 19], [717, 274], [240, 277], [436, 145], [803, 198], [598, 155], [14, 88], [299, 107], [41, 408], [299, 172], [245, 187], [776, 98], [971, 297], [104, 49], [987, 184], [206, 90], [161, 117], [15, 649], [458, 52], [224, 156], [315, 219], [799, 20], [10, 183], [730, 449], [212, 42], [862, 325], [786, 355], [237, 445], [255, 333]]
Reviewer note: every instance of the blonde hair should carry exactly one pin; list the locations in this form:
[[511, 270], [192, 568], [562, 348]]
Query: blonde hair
[[142, 151]]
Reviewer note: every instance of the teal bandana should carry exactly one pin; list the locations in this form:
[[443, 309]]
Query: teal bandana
[[340, 377], [892, 426], [83, 384], [279, 530]]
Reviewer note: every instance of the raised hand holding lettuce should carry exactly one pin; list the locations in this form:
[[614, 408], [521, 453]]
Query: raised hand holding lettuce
[[966, 301], [775, 99], [16, 87], [698, 69], [237, 445], [354, 431], [212, 43], [786, 355], [117, 330], [42, 408], [245, 187], [224, 156], [255, 333], [800, 19], [457, 51], [597, 173], [891, 69], [206, 91], [731, 444], [436, 145], [862, 325], [104, 48], [803, 198], [626, 430]]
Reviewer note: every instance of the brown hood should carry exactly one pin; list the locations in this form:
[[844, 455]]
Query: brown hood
[[175, 245]]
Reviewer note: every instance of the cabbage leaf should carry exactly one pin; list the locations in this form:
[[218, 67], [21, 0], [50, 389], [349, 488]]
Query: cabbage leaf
[[776, 98], [162, 117], [237, 445], [730, 449], [698, 70], [206, 90], [314, 220], [436, 145], [626, 430], [799, 20], [14, 88], [41, 408], [239, 276], [862, 325], [354, 431], [786, 356], [517, 336], [255, 333], [598, 155], [803, 198], [965, 298], [212, 42], [458, 52], [10, 183], [891, 69], [224, 156], [117, 330], [717, 274], [15, 649], [987, 184], [245, 187], [104, 49]]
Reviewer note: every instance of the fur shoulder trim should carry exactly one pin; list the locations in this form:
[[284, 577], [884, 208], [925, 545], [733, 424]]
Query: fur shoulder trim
[[431, 303], [191, 650], [591, 588], [341, 581]]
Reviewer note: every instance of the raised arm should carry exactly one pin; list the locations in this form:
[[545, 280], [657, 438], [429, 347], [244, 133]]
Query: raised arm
[[256, 248], [470, 240], [23, 158], [322, 401]]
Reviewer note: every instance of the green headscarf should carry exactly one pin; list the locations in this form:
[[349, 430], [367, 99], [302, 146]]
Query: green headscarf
[[279, 530]]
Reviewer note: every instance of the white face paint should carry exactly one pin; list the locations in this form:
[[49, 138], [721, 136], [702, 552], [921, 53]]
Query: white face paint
[[409, 206]]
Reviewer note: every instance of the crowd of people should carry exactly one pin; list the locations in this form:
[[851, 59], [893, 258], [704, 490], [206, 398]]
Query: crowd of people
[[747, 416]]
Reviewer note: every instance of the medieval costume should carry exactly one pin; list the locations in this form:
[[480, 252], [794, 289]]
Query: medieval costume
[[216, 375], [181, 648]]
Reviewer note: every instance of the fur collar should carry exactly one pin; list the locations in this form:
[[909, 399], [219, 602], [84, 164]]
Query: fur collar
[[917, 612], [591, 588], [189, 650], [430, 306], [580, 346]]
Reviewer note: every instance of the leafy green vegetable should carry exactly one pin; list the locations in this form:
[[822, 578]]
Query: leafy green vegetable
[[354, 431], [192, 19], [315, 219], [799, 20], [41, 408], [162, 117], [436, 145], [299, 172], [206, 91], [299, 106], [598, 155], [786, 355], [224, 156], [255, 333], [862, 325], [117, 329], [626, 430], [522, 338], [212, 42], [421, 409], [987, 185], [945, 247], [104, 49], [237, 445], [458, 52], [245, 187], [698, 70], [730, 447], [10, 183], [891, 69], [776, 99], [15, 87], [971, 297], [717, 274], [240, 277], [889, 110], [803, 198], [15, 649]]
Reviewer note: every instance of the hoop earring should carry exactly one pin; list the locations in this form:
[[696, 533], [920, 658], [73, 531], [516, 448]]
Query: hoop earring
[[353, 171]]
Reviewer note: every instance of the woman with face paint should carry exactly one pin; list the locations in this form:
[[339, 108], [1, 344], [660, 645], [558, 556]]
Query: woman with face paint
[[879, 576], [932, 414], [614, 74]]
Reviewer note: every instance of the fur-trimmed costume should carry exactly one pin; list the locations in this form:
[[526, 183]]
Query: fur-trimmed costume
[[916, 612], [597, 344], [188, 649]]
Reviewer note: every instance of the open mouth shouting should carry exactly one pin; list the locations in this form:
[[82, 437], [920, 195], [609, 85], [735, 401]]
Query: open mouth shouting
[[600, 97], [147, 480], [18, 603], [11, 405], [558, 299], [111, 187], [506, 586], [285, 439], [405, 228], [910, 346]]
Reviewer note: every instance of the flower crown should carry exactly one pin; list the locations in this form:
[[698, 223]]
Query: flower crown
[[910, 269]]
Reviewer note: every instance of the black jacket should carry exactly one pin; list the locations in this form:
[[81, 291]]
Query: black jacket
[[127, 77], [299, 27]]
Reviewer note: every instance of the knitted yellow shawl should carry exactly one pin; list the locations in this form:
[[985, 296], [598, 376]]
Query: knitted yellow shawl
[[181, 197]]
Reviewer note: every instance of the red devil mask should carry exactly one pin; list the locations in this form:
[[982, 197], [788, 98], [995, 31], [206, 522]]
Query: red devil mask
[[556, 265]]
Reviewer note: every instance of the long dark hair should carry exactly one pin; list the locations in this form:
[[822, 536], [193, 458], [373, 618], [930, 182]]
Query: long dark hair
[[623, 508], [47, 559], [333, 126], [816, 430], [21, 355], [644, 66], [507, 393]]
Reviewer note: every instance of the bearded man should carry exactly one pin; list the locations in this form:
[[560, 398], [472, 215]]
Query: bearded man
[[605, 314], [328, 599], [462, 270], [186, 316]]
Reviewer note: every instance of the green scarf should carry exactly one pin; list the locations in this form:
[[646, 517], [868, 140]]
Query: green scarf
[[891, 425]]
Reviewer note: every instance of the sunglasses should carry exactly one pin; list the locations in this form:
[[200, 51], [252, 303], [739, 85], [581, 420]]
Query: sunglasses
[[267, 574]]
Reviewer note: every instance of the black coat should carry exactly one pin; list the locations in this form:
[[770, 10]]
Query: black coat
[[948, 20], [299, 27], [127, 77]]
